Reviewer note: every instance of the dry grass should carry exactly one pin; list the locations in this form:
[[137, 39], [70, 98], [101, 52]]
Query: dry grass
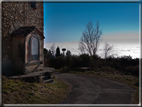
[[20, 92]]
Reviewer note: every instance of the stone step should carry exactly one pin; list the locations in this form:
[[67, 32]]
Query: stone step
[[48, 81], [45, 77], [53, 76]]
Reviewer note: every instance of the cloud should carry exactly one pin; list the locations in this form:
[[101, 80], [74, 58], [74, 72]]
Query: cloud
[[130, 37], [120, 49]]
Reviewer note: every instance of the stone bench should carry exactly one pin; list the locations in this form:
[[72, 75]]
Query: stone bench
[[36, 76]]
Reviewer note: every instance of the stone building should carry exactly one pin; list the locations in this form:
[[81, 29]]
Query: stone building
[[22, 37]]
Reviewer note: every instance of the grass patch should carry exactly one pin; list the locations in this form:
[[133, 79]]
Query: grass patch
[[20, 92]]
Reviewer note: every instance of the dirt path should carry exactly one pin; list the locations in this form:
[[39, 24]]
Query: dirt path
[[95, 90]]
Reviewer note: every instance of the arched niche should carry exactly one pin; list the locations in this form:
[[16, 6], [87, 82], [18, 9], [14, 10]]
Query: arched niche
[[34, 49]]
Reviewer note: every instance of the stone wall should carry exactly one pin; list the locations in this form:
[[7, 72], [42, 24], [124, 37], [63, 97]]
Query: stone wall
[[16, 14], [34, 17]]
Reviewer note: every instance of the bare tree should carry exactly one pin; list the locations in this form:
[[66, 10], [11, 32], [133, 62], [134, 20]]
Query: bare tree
[[53, 49], [107, 50], [90, 39]]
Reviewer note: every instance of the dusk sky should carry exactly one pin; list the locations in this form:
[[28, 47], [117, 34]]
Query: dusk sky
[[65, 22]]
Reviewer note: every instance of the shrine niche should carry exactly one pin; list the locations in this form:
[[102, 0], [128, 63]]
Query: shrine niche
[[23, 41], [18, 17], [27, 49]]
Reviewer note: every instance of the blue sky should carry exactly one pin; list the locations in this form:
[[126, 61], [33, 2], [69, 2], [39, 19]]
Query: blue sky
[[65, 22]]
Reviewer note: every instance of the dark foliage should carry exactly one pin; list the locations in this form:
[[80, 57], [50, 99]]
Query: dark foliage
[[134, 70], [124, 65], [57, 52], [57, 62], [47, 54], [68, 53], [85, 60]]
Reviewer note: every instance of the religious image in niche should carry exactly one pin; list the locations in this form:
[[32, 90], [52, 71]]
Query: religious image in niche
[[34, 49]]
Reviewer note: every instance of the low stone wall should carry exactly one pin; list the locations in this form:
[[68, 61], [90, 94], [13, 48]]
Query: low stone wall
[[81, 68]]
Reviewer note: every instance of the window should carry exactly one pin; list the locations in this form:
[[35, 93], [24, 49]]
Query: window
[[34, 48], [33, 5]]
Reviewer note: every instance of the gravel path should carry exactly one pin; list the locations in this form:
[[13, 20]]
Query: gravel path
[[95, 90]]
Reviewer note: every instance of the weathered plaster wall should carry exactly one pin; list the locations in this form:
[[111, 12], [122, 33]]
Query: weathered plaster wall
[[18, 54]]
